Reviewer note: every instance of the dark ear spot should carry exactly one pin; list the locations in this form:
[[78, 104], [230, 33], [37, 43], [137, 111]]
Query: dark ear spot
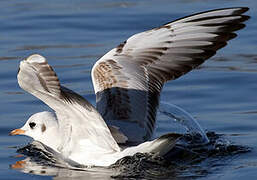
[[43, 127]]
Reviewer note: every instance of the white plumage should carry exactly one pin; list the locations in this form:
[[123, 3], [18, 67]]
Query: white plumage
[[127, 83]]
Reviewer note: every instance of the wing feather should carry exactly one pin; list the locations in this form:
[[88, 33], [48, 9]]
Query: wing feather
[[129, 78], [78, 120]]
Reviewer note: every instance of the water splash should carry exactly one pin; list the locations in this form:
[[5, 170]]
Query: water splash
[[182, 117]]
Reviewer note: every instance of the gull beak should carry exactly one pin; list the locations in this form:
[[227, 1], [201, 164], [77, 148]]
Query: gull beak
[[17, 132], [18, 165]]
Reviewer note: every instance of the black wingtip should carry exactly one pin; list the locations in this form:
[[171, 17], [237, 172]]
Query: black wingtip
[[245, 17], [244, 9], [236, 11], [240, 10]]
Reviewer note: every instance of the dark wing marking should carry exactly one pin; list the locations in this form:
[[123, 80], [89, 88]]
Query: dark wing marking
[[128, 79]]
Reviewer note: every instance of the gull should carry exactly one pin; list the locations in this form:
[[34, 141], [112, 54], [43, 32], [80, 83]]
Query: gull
[[127, 82]]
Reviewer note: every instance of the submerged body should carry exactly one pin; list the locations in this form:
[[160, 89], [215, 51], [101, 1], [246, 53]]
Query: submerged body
[[127, 81], [43, 127]]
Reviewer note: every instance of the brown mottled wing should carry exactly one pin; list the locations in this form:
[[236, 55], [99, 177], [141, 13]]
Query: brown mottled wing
[[128, 79], [78, 120]]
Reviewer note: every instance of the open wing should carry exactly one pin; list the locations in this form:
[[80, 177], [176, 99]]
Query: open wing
[[79, 122], [129, 78]]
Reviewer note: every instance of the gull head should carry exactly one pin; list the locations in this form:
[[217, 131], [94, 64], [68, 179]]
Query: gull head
[[40, 126]]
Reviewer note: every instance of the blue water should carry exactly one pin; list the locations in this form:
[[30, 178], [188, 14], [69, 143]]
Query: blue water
[[221, 94]]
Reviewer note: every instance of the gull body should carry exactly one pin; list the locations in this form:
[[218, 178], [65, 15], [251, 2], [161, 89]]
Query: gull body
[[127, 81], [43, 127]]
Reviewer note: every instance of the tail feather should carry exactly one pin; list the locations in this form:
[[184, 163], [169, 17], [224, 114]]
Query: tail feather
[[157, 147], [163, 144]]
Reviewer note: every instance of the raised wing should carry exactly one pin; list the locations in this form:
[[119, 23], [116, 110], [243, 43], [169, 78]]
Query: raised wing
[[79, 123], [128, 79]]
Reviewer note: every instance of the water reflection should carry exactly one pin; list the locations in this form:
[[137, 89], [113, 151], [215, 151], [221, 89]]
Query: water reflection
[[238, 63], [29, 166], [62, 46], [8, 58], [249, 57]]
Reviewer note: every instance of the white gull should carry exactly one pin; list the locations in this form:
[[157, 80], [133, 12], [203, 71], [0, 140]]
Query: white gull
[[127, 83]]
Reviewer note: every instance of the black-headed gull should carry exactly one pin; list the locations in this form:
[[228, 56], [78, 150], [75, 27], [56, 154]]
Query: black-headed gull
[[127, 83]]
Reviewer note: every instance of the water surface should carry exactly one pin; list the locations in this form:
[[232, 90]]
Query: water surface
[[221, 94]]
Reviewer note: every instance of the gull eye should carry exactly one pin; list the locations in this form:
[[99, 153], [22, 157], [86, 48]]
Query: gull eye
[[32, 125]]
